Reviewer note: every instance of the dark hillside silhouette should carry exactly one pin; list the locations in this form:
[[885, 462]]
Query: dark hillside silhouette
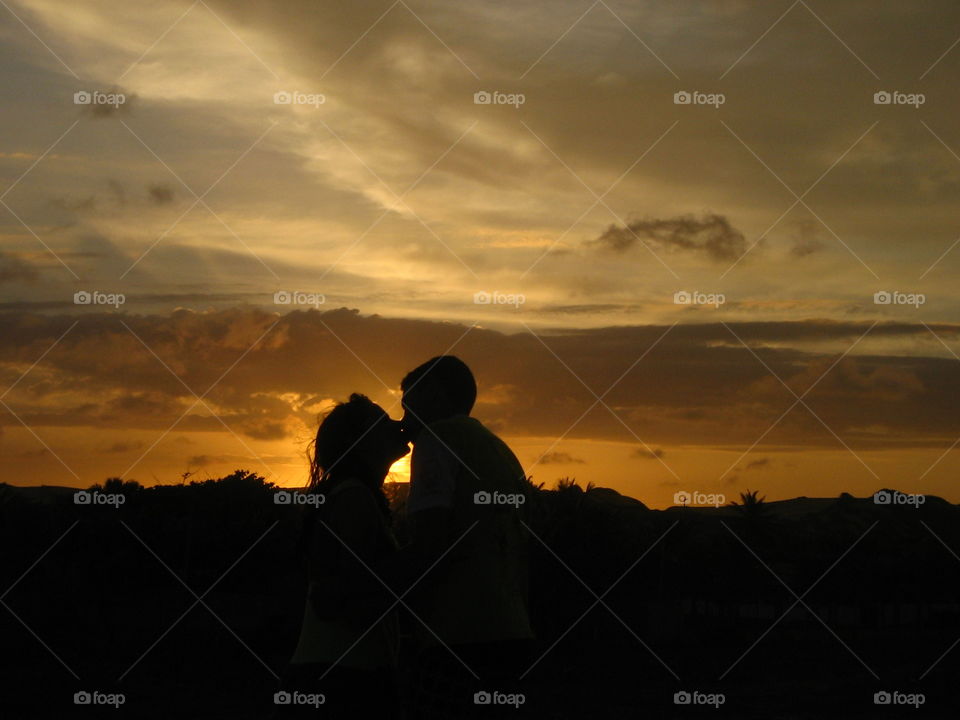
[[698, 599]]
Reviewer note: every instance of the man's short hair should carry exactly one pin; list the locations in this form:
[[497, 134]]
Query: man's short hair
[[449, 374]]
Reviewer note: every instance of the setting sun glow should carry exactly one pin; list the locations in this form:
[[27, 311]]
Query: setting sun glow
[[400, 470]]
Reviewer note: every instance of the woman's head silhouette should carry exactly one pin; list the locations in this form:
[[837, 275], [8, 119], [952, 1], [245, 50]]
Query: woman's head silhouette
[[358, 440]]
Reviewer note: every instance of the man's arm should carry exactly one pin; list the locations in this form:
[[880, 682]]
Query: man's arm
[[433, 471]]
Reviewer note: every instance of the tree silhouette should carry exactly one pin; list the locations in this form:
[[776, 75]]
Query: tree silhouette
[[117, 486], [750, 502]]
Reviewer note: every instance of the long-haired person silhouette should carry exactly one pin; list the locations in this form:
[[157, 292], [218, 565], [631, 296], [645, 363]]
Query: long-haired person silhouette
[[348, 644]]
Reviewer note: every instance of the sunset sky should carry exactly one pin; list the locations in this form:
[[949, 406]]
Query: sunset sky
[[785, 196]]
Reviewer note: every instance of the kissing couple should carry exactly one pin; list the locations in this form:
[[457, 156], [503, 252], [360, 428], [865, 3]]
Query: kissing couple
[[424, 628]]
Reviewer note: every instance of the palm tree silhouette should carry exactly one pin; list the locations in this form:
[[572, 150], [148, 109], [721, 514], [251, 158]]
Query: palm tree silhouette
[[752, 509]]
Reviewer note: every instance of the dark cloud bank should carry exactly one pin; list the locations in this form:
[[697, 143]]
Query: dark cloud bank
[[699, 385]]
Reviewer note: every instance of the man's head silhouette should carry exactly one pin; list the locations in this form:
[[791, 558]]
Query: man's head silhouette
[[440, 388]]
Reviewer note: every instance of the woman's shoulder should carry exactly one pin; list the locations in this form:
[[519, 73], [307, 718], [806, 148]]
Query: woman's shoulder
[[352, 493], [352, 510], [348, 486]]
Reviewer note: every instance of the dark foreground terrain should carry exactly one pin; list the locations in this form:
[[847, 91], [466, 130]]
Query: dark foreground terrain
[[187, 599]]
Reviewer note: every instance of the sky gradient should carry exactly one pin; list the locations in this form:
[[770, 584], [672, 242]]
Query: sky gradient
[[787, 200]]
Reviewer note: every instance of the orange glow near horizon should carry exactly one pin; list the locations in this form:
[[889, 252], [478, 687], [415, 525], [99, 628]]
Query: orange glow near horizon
[[400, 470]]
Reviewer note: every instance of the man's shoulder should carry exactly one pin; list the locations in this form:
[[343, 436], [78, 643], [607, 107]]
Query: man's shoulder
[[462, 425], [456, 421], [461, 433]]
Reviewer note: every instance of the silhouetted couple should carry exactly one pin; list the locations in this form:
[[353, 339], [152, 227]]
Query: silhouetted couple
[[461, 578]]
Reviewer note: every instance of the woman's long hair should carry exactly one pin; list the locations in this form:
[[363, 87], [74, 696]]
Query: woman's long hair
[[337, 454]]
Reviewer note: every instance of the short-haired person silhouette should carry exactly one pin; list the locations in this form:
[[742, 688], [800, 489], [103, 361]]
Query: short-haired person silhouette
[[464, 507]]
